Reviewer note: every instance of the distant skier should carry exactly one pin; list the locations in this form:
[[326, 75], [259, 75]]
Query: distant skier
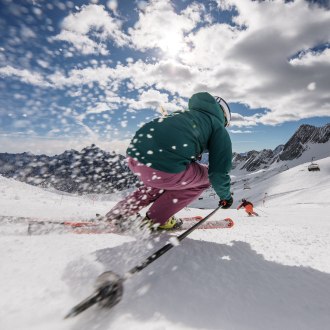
[[264, 199], [163, 154], [248, 206]]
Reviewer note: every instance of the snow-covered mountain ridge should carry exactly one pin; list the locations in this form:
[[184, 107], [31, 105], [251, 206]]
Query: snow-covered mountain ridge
[[305, 138], [305, 135], [93, 170]]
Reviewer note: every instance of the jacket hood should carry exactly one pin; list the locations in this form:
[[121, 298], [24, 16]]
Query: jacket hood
[[205, 102]]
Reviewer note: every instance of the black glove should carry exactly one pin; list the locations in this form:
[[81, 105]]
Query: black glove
[[226, 203]]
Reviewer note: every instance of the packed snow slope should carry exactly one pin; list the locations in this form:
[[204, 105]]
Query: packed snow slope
[[267, 272]]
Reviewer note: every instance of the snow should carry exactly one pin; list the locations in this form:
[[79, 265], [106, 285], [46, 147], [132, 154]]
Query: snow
[[267, 272]]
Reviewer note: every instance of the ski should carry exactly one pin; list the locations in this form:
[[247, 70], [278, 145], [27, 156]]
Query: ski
[[42, 227], [210, 224]]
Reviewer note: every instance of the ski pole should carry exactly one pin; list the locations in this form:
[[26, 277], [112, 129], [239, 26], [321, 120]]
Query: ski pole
[[166, 247], [110, 288]]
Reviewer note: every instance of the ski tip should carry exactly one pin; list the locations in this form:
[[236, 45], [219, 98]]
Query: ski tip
[[72, 313], [230, 222], [87, 303]]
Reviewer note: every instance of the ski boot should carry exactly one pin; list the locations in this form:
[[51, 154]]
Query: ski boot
[[171, 224]]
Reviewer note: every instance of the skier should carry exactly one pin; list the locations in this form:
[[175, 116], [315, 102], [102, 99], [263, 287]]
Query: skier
[[248, 207], [264, 199], [163, 154]]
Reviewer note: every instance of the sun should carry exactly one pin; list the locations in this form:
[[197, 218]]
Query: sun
[[172, 43]]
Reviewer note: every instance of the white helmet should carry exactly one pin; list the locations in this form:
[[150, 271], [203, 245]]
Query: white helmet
[[225, 108]]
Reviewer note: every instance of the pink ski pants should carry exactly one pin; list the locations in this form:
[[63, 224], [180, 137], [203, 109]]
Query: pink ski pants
[[168, 192]]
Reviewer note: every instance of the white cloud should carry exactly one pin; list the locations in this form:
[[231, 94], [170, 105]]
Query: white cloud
[[312, 58], [224, 4], [24, 75], [52, 146], [100, 107], [82, 43], [238, 120], [254, 63], [311, 86], [77, 77], [159, 26], [92, 22], [240, 131], [112, 5], [150, 99], [194, 12], [27, 33], [142, 5], [210, 46], [250, 63], [165, 74]]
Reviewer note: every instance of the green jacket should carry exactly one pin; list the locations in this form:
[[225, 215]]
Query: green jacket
[[169, 144]]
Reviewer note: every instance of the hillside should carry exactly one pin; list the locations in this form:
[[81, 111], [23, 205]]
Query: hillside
[[267, 272]]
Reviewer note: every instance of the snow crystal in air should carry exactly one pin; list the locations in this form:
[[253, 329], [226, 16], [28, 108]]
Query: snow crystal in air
[[311, 86], [143, 290], [174, 241]]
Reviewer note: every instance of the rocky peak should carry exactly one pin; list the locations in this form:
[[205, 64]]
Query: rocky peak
[[258, 160], [304, 135]]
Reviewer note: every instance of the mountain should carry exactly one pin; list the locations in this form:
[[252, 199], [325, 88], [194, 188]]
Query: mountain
[[306, 134], [91, 170], [254, 160], [305, 138]]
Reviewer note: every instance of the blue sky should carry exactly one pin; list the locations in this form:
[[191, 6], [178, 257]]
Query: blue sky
[[74, 73]]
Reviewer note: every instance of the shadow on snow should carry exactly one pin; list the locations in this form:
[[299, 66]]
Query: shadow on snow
[[214, 286]]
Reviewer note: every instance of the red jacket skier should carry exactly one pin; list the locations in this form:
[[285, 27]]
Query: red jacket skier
[[248, 207]]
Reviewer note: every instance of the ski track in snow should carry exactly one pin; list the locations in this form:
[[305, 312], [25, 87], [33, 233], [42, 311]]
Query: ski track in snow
[[267, 272]]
